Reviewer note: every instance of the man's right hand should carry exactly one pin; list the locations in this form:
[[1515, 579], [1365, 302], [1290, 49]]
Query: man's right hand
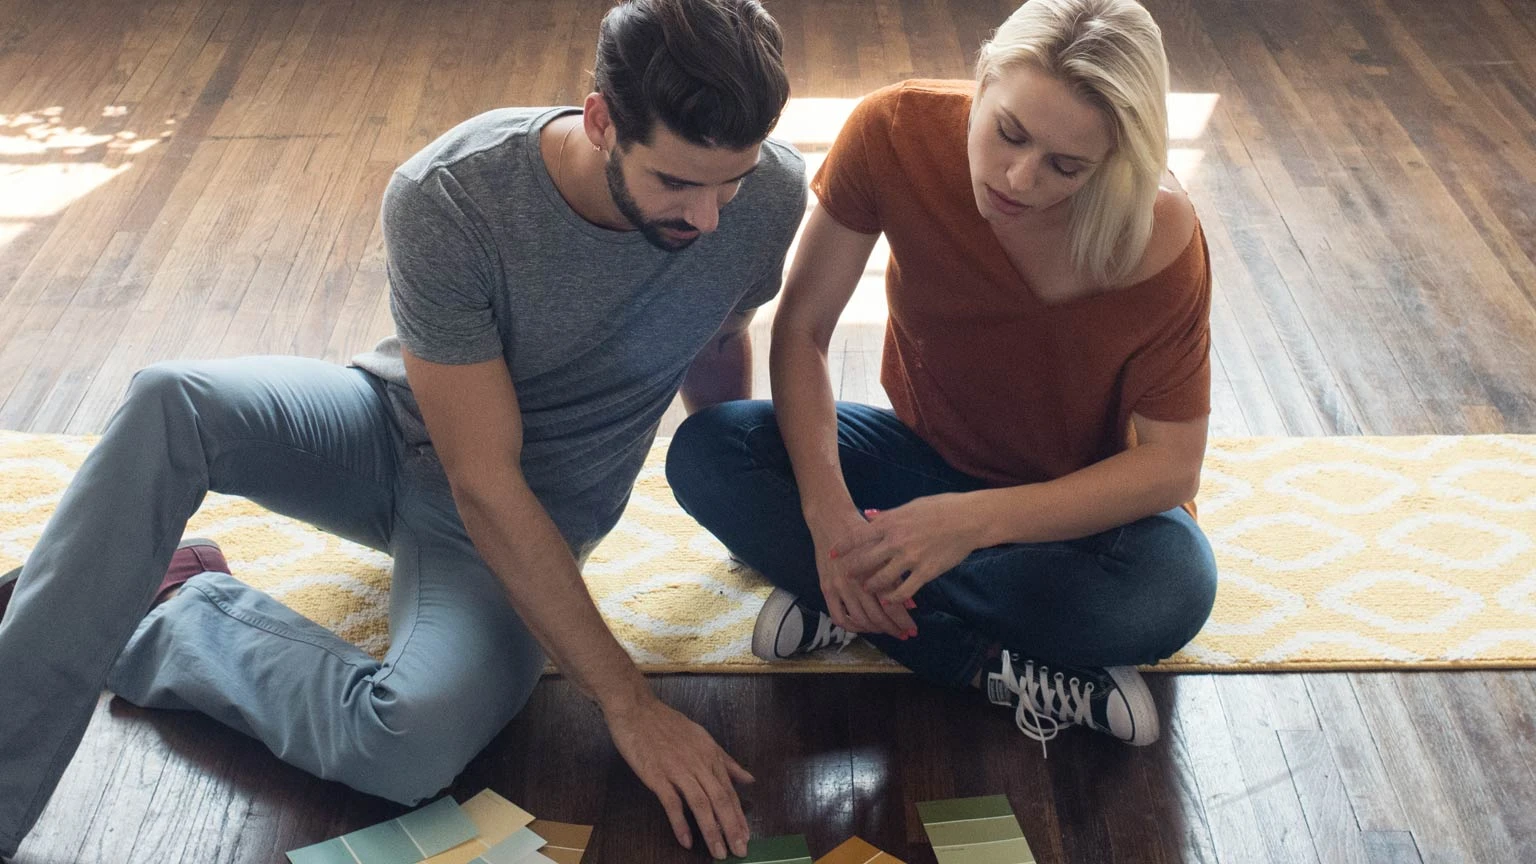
[[678, 761], [837, 537]]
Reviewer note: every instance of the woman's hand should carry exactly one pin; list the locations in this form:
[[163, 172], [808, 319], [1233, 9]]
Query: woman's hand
[[839, 539], [913, 545]]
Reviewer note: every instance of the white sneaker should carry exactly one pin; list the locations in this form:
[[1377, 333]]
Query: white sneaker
[[1110, 699], [785, 628]]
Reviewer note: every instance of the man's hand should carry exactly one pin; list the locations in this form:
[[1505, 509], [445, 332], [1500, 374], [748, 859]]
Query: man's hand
[[842, 543], [679, 761]]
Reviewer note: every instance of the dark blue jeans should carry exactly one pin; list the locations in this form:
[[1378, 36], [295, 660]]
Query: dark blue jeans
[[1128, 596]]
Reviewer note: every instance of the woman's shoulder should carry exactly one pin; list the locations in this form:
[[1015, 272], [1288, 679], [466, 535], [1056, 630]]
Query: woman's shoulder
[[916, 99], [1174, 225]]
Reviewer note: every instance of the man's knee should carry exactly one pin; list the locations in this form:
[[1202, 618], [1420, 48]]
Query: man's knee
[[159, 384], [420, 745]]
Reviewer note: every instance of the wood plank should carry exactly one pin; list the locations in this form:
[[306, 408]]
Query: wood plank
[[1361, 772], [1335, 834]]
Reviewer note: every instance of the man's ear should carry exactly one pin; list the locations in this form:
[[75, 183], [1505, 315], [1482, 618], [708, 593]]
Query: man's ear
[[598, 123]]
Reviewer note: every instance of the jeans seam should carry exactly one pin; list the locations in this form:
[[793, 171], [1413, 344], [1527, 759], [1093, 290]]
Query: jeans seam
[[405, 641], [267, 626]]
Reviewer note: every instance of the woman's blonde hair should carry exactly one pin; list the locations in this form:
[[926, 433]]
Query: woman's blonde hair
[[1110, 52]]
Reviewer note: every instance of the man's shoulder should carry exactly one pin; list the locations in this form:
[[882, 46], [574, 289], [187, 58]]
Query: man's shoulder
[[781, 166], [490, 132]]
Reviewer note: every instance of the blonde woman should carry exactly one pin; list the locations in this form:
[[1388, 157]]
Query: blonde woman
[[1019, 522]]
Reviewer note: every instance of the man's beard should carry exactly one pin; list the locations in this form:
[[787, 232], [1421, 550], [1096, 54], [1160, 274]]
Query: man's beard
[[649, 229]]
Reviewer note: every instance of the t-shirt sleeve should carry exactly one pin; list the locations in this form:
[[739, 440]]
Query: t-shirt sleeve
[[777, 246], [847, 183], [1173, 374], [441, 274]]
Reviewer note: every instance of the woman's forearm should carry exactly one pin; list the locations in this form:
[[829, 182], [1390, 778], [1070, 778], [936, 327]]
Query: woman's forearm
[[1128, 486], [807, 416]]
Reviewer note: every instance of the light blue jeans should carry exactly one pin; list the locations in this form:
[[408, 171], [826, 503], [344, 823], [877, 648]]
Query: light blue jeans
[[308, 439]]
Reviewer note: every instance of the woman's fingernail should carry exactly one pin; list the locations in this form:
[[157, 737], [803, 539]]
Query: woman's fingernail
[[870, 512], [832, 554], [912, 633], [911, 604]]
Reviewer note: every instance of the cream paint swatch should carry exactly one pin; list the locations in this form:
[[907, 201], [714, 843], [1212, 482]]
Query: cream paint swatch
[[495, 817]]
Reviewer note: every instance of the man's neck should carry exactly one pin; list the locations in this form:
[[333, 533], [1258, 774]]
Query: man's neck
[[577, 169]]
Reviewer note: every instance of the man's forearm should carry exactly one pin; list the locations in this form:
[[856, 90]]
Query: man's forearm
[[519, 541], [721, 373]]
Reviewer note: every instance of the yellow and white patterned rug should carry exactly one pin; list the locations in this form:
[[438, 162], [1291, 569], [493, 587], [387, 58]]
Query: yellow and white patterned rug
[[1335, 553]]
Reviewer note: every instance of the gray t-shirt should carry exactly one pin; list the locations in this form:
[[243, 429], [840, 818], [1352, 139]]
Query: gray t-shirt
[[598, 327]]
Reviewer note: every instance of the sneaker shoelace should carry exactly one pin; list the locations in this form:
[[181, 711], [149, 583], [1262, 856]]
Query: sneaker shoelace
[[1047, 700], [827, 633]]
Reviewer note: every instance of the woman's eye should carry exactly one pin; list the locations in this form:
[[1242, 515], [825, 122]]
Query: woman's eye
[[1005, 136], [1064, 172]]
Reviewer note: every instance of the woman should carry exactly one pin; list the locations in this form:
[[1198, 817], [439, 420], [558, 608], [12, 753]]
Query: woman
[[1019, 523]]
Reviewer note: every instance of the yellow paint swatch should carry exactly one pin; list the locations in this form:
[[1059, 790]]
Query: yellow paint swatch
[[856, 851], [495, 817], [566, 843]]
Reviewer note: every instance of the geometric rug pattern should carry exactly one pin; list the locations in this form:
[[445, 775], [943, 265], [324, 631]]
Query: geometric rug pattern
[[1334, 553]]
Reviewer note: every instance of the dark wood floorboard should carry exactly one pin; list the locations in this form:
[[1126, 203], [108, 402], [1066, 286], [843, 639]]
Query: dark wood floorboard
[[1367, 181]]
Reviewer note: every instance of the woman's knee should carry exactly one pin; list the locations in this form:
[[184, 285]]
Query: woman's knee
[[709, 446], [1180, 575]]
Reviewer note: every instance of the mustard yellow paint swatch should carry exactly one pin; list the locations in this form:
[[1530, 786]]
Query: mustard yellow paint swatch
[[857, 851]]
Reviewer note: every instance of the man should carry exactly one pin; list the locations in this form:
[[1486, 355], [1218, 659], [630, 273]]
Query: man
[[556, 275]]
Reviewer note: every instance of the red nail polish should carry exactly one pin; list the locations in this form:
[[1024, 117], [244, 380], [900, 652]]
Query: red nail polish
[[911, 604], [832, 555], [912, 633]]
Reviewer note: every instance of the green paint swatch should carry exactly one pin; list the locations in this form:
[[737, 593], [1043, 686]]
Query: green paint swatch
[[975, 831], [789, 849]]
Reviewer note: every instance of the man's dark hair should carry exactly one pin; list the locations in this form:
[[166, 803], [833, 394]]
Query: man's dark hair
[[711, 70]]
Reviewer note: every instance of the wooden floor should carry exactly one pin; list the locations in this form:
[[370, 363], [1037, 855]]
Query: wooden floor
[[198, 178]]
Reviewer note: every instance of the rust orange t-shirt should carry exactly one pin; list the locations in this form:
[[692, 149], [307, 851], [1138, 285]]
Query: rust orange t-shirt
[[1005, 387]]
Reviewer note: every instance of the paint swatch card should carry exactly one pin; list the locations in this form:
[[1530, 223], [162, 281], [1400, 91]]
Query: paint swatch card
[[856, 851], [519, 848], [495, 818], [789, 849], [410, 839], [975, 831], [566, 843]]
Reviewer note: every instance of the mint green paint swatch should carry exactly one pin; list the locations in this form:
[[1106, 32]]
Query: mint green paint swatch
[[438, 827], [332, 851], [975, 831], [513, 849], [789, 849], [410, 839], [385, 843]]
